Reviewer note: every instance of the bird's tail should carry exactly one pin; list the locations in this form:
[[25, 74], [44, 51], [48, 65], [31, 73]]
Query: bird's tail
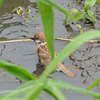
[[69, 67], [67, 72]]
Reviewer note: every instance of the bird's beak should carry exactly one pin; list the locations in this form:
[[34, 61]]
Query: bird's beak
[[32, 38]]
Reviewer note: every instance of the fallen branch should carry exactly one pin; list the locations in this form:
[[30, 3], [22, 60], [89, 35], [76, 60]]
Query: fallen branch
[[96, 41]]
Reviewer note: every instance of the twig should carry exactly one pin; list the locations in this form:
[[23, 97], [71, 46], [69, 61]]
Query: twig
[[96, 41], [73, 40], [16, 40]]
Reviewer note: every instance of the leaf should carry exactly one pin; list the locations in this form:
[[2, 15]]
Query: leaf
[[29, 17], [51, 84], [12, 99], [70, 11], [47, 17], [79, 15], [90, 16], [57, 6], [81, 30], [23, 89], [78, 26], [78, 2], [73, 10], [51, 93], [27, 21], [18, 72], [63, 85], [56, 91], [89, 4], [1, 2], [94, 84], [98, 2], [36, 92], [29, 10]]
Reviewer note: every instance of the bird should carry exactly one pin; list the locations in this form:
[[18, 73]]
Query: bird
[[44, 55]]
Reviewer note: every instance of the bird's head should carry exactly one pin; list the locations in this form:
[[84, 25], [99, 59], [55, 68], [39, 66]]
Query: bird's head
[[39, 38]]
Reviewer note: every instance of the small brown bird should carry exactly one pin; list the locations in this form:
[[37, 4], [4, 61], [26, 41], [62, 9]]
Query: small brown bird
[[44, 55]]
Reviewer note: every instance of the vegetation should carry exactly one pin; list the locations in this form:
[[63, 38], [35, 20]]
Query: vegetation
[[87, 12], [32, 87]]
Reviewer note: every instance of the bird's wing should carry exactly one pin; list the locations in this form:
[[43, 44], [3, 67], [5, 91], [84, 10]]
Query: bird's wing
[[43, 54]]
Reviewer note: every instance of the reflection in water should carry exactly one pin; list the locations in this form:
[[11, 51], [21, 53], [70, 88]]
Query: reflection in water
[[2, 50], [39, 70]]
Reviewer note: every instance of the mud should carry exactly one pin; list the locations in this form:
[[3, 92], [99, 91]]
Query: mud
[[24, 53]]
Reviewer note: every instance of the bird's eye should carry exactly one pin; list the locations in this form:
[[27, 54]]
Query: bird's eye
[[36, 38]]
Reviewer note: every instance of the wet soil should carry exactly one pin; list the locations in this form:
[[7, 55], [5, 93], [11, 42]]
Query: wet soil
[[24, 53]]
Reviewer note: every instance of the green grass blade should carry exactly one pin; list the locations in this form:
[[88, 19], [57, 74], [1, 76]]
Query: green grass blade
[[63, 85], [55, 84], [47, 16], [90, 16], [94, 84], [56, 91], [59, 7], [1, 2], [89, 4], [18, 72], [36, 91], [78, 2], [79, 15], [70, 11], [12, 99], [22, 90], [51, 93]]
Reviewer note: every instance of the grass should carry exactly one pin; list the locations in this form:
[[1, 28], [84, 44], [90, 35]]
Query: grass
[[33, 87]]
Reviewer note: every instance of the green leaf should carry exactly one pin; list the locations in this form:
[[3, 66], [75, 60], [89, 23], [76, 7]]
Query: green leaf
[[94, 84], [78, 26], [89, 4], [63, 85], [51, 84], [1, 2], [51, 93], [78, 2], [90, 16], [36, 91], [27, 21], [79, 15], [57, 6], [18, 72], [98, 2], [29, 10], [23, 89], [56, 91], [70, 11], [29, 17], [73, 10], [47, 16], [12, 99]]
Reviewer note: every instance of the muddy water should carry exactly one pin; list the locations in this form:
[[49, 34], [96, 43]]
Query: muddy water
[[24, 54]]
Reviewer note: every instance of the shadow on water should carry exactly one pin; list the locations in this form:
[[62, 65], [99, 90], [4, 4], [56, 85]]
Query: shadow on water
[[24, 53]]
